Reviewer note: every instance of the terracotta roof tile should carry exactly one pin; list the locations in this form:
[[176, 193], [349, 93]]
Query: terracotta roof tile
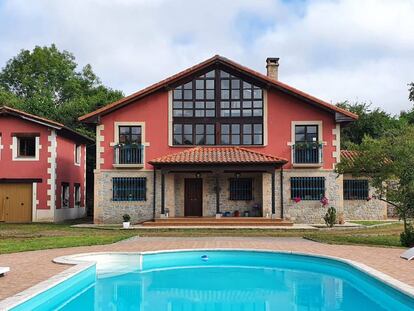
[[349, 155], [218, 155]]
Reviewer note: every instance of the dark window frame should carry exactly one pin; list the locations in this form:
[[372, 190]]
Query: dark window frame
[[27, 151], [241, 189], [356, 189], [307, 188], [130, 134], [133, 189], [65, 186], [306, 133], [77, 190], [244, 83]]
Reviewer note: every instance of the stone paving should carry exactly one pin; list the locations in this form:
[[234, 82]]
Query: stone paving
[[30, 268]]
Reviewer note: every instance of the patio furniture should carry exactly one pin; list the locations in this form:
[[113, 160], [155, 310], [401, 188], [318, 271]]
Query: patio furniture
[[408, 254], [4, 270]]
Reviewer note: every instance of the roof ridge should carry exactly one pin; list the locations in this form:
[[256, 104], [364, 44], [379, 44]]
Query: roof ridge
[[154, 87]]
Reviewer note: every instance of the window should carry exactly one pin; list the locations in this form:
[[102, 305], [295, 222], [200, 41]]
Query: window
[[306, 133], [220, 101], [307, 188], [77, 195], [241, 189], [356, 189], [26, 147], [130, 135], [77, 154], [195, 98], [241, 134], [65, 195], [129, 189], [194, 134]]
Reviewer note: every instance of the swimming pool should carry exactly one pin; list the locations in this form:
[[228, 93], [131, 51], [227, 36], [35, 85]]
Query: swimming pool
[[221, 280]]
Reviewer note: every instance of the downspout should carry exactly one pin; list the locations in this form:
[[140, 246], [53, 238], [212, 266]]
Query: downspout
[[153, 193], [281, 194]]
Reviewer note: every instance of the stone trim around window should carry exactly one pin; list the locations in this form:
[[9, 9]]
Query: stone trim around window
[[14, 148], [116, 141], [77, 147]]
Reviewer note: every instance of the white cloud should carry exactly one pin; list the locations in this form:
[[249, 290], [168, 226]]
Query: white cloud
[[335, 50]]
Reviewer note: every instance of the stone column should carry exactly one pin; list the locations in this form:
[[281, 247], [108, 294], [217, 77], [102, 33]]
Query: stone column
[[267, 194], [170, 194]]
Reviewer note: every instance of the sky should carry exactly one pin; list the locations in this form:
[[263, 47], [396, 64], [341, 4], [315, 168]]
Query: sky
[[355, 50]]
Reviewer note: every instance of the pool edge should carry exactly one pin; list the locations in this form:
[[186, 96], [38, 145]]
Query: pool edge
[[79, 266]]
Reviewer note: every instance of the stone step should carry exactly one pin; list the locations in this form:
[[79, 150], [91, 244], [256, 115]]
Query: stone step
[[211, 221]]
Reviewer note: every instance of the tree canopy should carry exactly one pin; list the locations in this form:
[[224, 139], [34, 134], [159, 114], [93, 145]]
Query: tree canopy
[[47, 82]]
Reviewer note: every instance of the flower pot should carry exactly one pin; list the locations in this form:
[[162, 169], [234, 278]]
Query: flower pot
[[126, 224]]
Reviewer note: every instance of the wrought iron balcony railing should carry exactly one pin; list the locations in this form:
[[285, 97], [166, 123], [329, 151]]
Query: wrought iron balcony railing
[[129, 154], [307, 153]]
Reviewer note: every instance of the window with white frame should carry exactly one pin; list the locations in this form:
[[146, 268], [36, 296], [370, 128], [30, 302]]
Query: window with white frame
[[25, 147], [77, 195], [77, 154], [65, 195]]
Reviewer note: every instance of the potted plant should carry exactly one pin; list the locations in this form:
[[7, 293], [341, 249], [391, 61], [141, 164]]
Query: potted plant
[[126, 222]]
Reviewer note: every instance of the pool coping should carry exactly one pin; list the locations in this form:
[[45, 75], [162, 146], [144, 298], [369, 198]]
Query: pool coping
[[79, 266]]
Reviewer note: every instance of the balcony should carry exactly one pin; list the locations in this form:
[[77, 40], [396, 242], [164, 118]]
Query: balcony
[[307, 154], [128, 156]]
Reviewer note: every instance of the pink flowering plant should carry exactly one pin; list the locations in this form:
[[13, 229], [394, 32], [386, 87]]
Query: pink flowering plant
[[324, 201], [297, 199]]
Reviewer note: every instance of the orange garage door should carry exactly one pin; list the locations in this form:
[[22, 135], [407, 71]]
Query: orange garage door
[[16, 202]]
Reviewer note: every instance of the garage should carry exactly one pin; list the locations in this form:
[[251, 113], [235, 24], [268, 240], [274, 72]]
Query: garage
[[16, 202]]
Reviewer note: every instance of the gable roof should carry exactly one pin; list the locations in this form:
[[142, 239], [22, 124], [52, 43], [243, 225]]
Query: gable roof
[[218, 155], [217, 59], [64, 130]]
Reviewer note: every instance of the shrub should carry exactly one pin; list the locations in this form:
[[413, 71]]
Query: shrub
[[126, 217], [330, 217], [407, 237]]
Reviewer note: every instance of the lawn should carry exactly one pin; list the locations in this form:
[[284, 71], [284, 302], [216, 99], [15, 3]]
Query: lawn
[[25, 237]]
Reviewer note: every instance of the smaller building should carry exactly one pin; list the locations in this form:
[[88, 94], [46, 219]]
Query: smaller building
[[42, 169]]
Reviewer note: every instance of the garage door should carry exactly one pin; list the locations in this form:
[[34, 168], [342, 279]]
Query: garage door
[[16, 202]]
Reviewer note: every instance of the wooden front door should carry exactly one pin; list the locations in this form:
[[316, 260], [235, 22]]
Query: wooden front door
[[16, 202], [193, 197]]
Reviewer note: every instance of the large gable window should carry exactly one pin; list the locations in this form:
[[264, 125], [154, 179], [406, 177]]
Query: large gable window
[[217, 108]]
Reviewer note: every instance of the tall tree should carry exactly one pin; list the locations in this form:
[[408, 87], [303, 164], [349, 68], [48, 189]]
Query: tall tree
[[388, 162], [411, 91], [46, 82], [371, 122]]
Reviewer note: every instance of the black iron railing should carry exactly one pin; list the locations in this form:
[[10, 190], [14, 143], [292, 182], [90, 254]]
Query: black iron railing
[[129, 154], [307, 153]]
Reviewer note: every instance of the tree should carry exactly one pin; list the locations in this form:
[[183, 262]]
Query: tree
[[374, 123], [388, 162], [411, 91], [45, 82]]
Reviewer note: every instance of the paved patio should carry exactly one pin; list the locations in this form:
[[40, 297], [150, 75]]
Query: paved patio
[[29, 268]]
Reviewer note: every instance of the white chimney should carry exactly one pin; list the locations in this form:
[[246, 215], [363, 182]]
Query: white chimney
[[272, 66]]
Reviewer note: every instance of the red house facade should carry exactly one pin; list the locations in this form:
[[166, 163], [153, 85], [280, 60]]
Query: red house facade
[[218, 139], [42, 169]]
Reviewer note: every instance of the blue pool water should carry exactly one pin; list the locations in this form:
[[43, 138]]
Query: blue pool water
[[222, 281]]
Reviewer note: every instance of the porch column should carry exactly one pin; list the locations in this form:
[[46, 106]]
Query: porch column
[[162, 193], [273, 194], [170, 194], [217, 188]]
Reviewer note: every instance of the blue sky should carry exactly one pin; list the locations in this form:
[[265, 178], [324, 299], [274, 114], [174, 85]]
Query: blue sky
[[335, 50]]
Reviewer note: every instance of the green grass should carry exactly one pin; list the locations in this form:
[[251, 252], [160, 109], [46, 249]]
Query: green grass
[[25, 237]]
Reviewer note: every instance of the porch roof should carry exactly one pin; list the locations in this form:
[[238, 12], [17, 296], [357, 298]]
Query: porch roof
[[218, 155]]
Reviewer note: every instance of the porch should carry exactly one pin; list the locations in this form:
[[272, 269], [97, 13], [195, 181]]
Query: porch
[[218, 186]]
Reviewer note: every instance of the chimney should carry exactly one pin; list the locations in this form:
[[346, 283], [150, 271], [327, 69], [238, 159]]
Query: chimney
[[272, 66]]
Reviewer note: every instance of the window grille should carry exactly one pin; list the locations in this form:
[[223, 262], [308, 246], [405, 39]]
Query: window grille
[[129, 188], [307, 188], [356, 189], [241, 189]]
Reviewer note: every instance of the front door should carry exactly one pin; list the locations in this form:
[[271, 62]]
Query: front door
[[193, 197]]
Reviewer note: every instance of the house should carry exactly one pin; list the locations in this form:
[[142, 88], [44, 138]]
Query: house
[[42, 169], [219, 139]]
